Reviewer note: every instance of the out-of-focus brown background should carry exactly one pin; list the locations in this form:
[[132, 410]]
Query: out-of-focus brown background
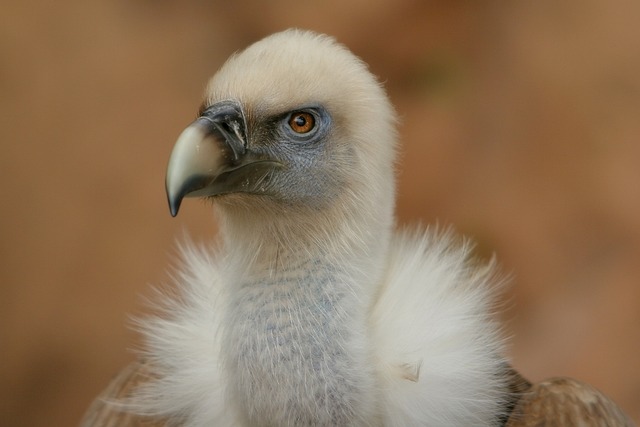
[[520, 126]]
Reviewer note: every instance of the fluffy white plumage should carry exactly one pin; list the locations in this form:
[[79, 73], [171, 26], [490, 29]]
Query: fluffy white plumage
[[311, 309], [434, 353]]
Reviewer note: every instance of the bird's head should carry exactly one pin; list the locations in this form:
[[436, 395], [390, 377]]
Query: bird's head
[[293, 121]]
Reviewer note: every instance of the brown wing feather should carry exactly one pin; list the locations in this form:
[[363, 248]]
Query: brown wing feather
[[566, 402], [104, 413], [517, 387]]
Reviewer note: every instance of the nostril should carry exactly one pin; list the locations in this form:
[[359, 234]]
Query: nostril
[[225, 127]]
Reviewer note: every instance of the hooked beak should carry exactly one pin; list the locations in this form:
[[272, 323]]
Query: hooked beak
[[210, 157]]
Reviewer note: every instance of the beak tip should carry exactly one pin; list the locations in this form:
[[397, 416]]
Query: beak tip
[[174, 205]]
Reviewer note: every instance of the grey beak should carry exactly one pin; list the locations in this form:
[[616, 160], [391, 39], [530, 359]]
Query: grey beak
[[211, 158], [206, 149]]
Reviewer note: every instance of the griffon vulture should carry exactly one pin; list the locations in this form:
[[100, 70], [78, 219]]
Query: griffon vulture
[[311, 309]]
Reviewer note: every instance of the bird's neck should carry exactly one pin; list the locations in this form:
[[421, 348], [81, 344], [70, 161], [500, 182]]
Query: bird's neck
[[268, 244], [298, 314]]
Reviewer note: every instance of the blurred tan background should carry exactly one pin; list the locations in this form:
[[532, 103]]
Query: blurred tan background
[[520, 126]]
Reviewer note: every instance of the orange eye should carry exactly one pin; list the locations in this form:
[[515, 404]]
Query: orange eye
[[302, 122]]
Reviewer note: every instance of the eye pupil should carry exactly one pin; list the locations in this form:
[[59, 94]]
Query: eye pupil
[[302, 122]]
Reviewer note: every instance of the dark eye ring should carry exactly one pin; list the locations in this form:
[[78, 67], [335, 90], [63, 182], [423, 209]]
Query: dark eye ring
[[302, 122]]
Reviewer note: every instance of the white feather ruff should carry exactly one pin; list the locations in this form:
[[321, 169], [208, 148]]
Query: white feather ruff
[[183, 346], [433, 316], [437, 351]]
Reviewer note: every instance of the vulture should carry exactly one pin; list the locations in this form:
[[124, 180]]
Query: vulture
[[311, 308]]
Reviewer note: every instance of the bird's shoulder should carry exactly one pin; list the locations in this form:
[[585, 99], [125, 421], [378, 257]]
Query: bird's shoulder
[[566, 402]]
